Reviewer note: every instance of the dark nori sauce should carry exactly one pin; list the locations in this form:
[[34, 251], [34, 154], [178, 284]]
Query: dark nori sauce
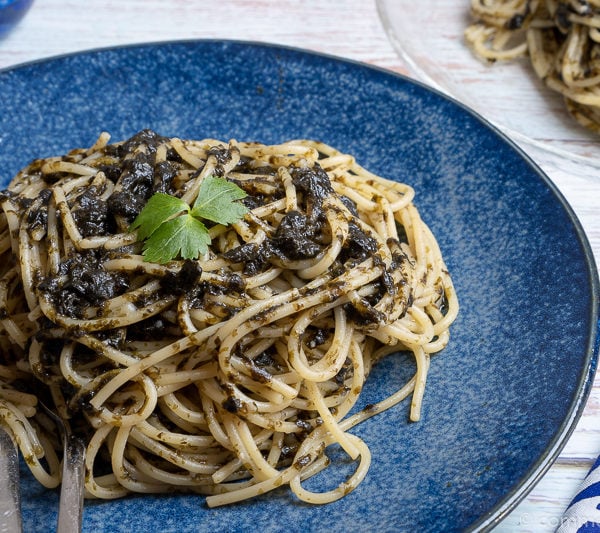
[[37, 215], [145, 137], [82, 282], [139, 177], [350, 205], [232, 405], [164, 173], [563, 11], [151, 328], [314, 337], [295, 237], [90, 213], [222, 156], [517, 20], [185, 280], [359, 245], [314, 182]]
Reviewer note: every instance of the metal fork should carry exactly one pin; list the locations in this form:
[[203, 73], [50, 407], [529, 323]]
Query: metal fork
[[10, 496], [70, 510]]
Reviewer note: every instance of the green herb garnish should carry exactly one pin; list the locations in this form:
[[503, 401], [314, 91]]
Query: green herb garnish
[[170, 228]]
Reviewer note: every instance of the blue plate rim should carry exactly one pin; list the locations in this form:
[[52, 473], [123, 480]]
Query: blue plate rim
[[584, 386]]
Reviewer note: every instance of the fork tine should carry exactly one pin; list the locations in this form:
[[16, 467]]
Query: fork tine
[[70, 511], [10, 497]]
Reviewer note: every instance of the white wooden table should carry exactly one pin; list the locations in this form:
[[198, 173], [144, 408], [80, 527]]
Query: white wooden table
[[60, 26]]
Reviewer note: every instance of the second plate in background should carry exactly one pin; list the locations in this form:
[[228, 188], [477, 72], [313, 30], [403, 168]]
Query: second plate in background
[[429, 37]]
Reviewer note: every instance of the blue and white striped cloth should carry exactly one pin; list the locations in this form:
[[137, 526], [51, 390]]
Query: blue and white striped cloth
[[583, 513]]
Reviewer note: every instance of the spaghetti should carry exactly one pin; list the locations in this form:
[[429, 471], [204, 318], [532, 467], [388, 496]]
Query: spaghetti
[[561, 39], [229, 375]]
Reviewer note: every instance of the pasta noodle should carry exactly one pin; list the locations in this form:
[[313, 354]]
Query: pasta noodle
[[229, 375], [561, 39]]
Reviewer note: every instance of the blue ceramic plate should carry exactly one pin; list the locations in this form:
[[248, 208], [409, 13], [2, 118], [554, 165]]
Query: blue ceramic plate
[[501, 399]]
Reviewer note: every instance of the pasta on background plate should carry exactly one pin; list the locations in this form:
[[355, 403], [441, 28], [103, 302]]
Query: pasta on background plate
[[228, 374], [561, 39]]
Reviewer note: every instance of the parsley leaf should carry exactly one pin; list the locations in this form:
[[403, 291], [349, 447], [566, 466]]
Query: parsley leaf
[[216, 201], [160, 208], [171, 228], [183, 235]]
